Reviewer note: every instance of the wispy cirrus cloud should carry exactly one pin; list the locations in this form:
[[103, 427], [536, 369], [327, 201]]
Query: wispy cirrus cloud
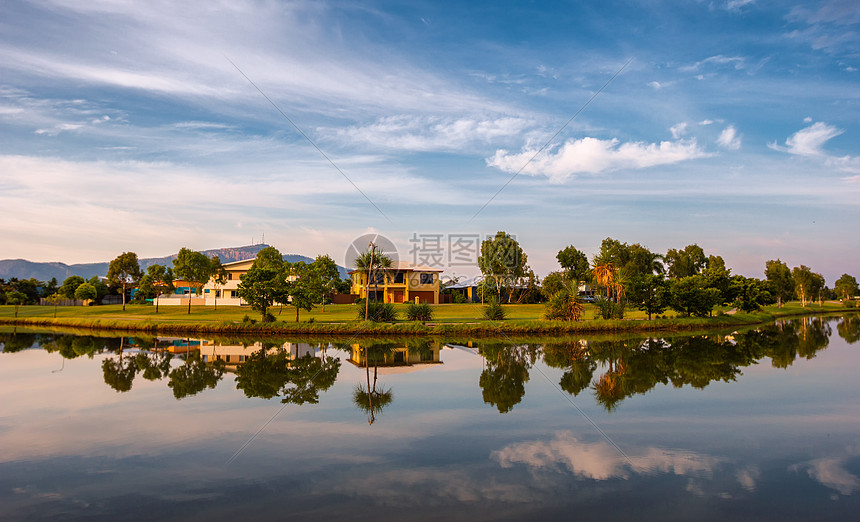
[[426, 133], [810, 141], [736, 62], [594, 156]]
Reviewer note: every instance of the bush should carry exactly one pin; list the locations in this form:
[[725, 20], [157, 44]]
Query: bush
[[561, 307], [419, 312], [494, 311], [248, 320], [269, 318], [610, 309], [378, 312], [460, 298], [850, 304]]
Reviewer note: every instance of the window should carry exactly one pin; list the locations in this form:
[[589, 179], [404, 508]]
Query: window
[[398, 278], [233, 293], [426, 279], [229, 276], [377, 279]]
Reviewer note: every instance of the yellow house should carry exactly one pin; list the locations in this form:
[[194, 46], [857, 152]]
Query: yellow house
[[401, 283]]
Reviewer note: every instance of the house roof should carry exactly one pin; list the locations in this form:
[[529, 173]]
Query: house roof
[[468, 283]]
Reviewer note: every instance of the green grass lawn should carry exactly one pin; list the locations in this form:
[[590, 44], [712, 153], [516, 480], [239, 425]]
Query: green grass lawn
[[445, 313]]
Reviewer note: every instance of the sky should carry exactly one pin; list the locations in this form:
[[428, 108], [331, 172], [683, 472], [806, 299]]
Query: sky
[[151, 126]]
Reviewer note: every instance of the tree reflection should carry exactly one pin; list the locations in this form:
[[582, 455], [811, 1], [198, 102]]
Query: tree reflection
[[272, 372], [849, 328], [368, 398], [119, 373], [194, 376], [573, 357], [507, 370]]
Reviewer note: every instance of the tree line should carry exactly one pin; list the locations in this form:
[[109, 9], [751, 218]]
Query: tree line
[[685, 280]]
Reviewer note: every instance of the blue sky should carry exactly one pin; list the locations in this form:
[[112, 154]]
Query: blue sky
[[735, 125]]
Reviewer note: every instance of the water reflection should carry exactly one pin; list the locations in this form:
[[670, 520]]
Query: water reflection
[[612, 368], [785, 427], [287, 371]]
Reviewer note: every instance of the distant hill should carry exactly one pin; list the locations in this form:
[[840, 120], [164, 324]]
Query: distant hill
[[23, 269]]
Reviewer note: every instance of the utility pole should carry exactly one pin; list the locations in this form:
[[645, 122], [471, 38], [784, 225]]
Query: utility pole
[[367, 286]]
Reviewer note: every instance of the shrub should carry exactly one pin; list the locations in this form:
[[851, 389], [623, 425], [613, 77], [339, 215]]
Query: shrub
[[460, 298], [850, 304], [378, 312], [561, 307], [610, 309], [419, 312], [494, 311], [269, 318], [248, 320]]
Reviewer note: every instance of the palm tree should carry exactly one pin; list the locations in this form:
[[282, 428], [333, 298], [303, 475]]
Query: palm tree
[[367, 262]]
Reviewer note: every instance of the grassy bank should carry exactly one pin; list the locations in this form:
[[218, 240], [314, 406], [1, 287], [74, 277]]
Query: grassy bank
[[455, 320]]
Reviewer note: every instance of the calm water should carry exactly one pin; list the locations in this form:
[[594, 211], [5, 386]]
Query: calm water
[[758, 424]]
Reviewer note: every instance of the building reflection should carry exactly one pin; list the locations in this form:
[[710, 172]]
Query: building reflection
[[402, 357]]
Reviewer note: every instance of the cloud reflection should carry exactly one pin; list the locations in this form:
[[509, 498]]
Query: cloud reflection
[[600, 461]]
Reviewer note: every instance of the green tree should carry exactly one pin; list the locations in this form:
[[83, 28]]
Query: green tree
[[49, 288], [265, 282], [846, 287], [101, 288], [807, 283], [193, 268], [301, 286], [553, 283], [687, 262], [719, 277], [158, 280], [86, 292], [16, 299], [750, 293], [323, 278], [691, 296], [781, 283], [124, 272], [70, 284], [573, 262], [502, 260], [219, 277], [649, 293]]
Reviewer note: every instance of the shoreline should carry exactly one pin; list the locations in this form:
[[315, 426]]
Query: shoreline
[[482, 329]]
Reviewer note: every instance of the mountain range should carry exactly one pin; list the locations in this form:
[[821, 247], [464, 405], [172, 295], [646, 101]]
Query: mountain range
[[24, 269]]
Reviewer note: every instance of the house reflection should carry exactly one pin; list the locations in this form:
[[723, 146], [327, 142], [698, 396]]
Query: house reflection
[[235, 354], [395, 358]]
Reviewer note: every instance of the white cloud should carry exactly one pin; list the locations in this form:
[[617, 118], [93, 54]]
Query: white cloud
[[736, 61], [809, 142], [729, 138], [734, 5], [706, 122], [593, 156], [425, 133], [678, 130], [808, 119]]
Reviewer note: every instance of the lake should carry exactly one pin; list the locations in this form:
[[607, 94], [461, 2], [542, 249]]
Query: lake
[[761, 423]]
